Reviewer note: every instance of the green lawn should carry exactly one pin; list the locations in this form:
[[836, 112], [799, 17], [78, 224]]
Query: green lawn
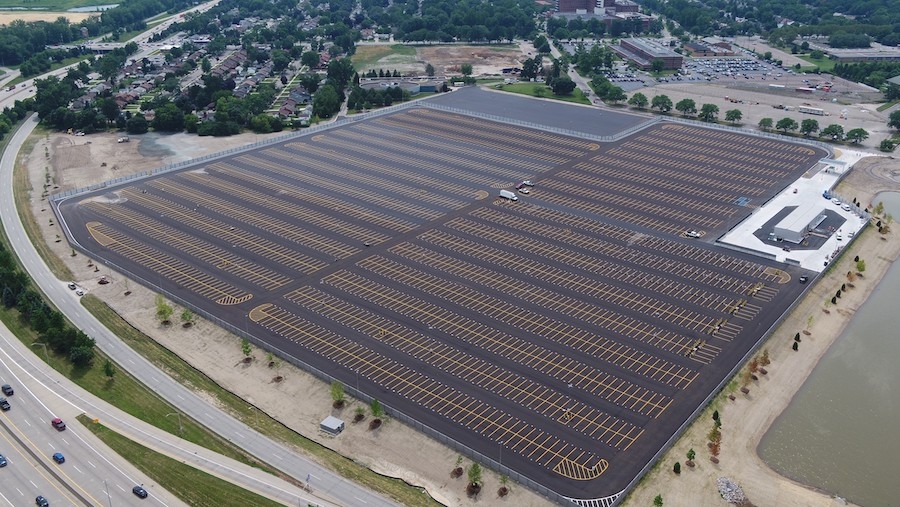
[[382, 56], [541, 90], [194, 487], [824, 64]]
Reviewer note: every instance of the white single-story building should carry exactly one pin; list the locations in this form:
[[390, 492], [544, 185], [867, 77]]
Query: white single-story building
[[332, 425], [794, 227]]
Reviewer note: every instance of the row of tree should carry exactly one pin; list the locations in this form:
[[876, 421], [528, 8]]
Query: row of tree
[[47, 322]]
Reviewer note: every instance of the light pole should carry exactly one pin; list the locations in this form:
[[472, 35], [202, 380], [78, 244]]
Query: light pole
[[180, 427], [255, 414], [108, 498], [44, 345]]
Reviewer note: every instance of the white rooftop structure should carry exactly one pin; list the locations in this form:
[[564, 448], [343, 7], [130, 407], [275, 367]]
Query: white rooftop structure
[[809, 189]]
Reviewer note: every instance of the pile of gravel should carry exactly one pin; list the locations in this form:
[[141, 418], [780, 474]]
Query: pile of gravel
[[730, 491]]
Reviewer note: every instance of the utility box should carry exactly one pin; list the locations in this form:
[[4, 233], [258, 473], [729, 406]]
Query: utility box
[[332, 425]]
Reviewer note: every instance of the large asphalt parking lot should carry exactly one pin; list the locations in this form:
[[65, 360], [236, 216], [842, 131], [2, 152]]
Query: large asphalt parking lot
[[568, 334]]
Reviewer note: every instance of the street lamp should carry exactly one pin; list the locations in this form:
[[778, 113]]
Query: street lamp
[[180, 427], [108, 498], [44, 345]]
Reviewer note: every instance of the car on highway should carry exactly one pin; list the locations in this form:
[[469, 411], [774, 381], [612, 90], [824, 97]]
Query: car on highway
[[59, 458], [139, 492], [41, 502], [58, 423], [7, 389], [4, 404], [2, 461]]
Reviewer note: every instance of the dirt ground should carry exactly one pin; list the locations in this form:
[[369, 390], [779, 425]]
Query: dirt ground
[[485, 60], [8, 17], [397, 450]]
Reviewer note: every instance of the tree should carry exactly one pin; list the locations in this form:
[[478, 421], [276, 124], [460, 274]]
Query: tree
[[169, 118], [691, 455], [677, 468], [733, 115], [658, 501], [861, 266], [615, 94], [137, 124], [786, 124], [187, 316], [796, 346], [337, 394], [376, 409], [708, 112], [310, 59], [661, 102], [809, 126], [657, 66], [857, 135], [686, 107], [562, 85], [765, 124], [638, 100], [429, 70], [894, 119], [326, 102], [109, 369], [163, 309], [465, 69], [246, 348], [474, 474], [834, 131]]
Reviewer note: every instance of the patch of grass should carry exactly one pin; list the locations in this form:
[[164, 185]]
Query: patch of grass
[[194, 487], [370, 57], [824, 64], [541, 90], [887, 105]]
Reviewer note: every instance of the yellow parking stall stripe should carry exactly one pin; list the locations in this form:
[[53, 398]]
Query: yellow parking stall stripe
[[200, 250], [428, 393], [313, 197], [290, 231], [529, 394], [268, 249], [173, 269]]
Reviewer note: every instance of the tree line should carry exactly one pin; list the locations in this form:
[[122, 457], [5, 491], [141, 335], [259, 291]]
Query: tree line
[[49, 323]]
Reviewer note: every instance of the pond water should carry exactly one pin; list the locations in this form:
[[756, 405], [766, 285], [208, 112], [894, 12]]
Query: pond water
[[838, 433]]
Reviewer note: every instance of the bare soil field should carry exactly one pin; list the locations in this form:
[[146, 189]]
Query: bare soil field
[[7, 17]]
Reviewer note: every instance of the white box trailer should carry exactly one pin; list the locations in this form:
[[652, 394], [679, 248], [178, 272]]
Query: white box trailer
[[508, 194]]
